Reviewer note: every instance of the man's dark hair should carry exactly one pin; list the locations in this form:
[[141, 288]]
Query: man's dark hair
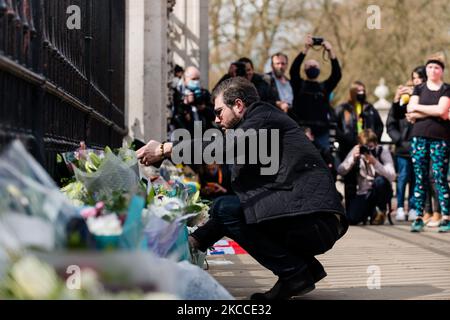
[[236, 88], [178, 69], [279, 54], [246, 60], [240, 69]]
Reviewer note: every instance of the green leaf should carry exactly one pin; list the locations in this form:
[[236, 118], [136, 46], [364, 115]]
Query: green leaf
[[195, 197], [151, 195], [96, 161], [59, 158], [193, 208], [108, 150]]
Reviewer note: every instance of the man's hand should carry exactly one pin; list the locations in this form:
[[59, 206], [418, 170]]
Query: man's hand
[[150, 154], [308, 43], [283, 106], [371, 159], [329, 48], [327, 45], [189, 98], [214, 188], [356, 152]]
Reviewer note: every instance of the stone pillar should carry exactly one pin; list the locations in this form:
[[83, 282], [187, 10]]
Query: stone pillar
[[190, 42], [383, 106], [146, 69]]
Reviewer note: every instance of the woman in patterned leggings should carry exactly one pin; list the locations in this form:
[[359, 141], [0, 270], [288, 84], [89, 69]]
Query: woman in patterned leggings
[[429, 110]]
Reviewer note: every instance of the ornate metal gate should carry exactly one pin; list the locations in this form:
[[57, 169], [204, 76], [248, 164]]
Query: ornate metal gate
[[61, 85]]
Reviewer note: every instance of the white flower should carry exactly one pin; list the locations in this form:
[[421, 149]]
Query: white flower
[[91, 283], [32, 279], [159, 296], [108, 225]]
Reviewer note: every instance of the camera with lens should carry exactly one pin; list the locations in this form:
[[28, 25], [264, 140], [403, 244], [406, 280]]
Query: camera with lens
[[364, 149], [317, 41], [196, 92]]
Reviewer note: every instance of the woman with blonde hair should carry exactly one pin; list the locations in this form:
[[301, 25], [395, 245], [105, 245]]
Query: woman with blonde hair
[[352, 118], [375, 173], [428, 110]]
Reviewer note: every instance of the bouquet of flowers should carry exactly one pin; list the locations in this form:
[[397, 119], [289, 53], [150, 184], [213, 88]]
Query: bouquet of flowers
[[27, 191], [29, 278]]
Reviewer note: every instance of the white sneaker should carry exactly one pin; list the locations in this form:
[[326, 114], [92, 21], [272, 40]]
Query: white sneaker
[[400, 216], [412, 215]]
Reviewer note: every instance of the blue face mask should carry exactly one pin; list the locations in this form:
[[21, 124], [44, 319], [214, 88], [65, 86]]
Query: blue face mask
[[193, 85], [312, 72]]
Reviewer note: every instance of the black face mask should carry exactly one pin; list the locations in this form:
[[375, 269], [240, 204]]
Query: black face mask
[[312, 72], [361, 97]]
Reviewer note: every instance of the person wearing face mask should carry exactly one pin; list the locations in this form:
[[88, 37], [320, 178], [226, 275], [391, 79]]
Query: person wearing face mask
[[428, 111], [191, 102], [311, 104], [353, 117]]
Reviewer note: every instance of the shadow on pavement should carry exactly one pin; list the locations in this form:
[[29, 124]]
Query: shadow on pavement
[[363, 293]]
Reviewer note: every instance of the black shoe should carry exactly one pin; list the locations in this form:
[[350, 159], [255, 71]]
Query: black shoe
[[316, 269], [299, 284]]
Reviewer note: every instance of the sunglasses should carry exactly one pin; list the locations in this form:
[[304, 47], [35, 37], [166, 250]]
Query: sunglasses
[[218, 112]]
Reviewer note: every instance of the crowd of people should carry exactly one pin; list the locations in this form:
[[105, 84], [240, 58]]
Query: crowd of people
[[285, 219], [417, 124]]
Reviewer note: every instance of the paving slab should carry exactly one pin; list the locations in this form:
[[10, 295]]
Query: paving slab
[[410, 266]]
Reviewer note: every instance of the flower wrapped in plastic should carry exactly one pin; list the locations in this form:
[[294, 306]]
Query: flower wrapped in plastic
[[112, 172], [169, 214], [26, 189]]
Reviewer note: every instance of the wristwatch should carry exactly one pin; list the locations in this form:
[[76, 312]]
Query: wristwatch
[[161, 147]]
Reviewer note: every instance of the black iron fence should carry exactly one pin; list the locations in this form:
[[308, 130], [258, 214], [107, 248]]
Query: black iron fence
[[60, 84]]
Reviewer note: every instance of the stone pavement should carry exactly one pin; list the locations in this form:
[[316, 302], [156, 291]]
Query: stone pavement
[[411, 266]]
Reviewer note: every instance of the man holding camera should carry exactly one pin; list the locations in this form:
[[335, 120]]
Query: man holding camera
[[311, 105], [192, 103], [375, 174]]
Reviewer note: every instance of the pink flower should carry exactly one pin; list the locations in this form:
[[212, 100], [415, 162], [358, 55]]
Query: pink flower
[[88, 212]]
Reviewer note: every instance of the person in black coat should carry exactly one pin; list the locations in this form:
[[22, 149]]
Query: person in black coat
[[353, 117], [311, 105], [262, 86], [279, 83], [283, 218]]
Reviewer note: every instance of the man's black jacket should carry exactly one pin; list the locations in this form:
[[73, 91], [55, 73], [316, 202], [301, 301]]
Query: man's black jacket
[[347, 133], [264, 90], [311, 106], [303, 183]]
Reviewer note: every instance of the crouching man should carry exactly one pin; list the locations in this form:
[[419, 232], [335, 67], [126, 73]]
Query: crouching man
[[283, 220]]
